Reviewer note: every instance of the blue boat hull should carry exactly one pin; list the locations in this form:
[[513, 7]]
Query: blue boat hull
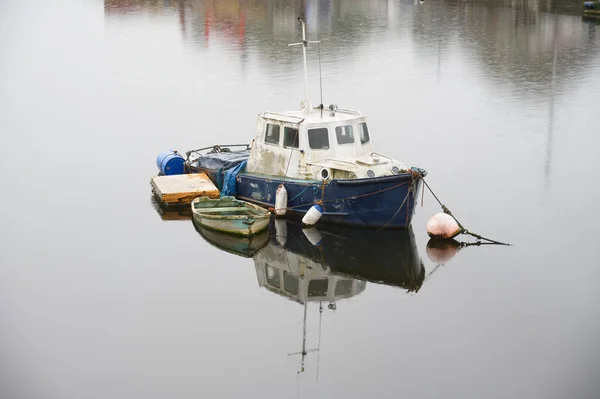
[[384, 202]]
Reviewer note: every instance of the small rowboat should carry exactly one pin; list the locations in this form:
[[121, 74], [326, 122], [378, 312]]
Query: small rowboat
[[229, 215]]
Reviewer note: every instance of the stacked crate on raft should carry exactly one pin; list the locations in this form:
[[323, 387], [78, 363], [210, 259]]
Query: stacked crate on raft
[[177, 190]]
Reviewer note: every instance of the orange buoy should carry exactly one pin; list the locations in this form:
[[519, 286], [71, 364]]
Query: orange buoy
[[443, 226]]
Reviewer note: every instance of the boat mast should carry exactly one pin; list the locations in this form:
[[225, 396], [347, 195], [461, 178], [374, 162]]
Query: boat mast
[[304, 44], [304, 336], [304, 351], [319, 344]]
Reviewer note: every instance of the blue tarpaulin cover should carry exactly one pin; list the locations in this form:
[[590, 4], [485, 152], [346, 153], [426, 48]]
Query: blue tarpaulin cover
[[215, 164], [229, 179]]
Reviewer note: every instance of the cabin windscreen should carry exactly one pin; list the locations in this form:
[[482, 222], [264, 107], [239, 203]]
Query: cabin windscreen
[[344, 134], [272, 134], [273, 278], [363, 133], [343, 287], [290, 283], [318, 139], [290, 137], [318, 287]]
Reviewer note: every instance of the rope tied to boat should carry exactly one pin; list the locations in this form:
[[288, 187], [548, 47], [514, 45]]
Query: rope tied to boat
[[323, 201], [463, 230], [415, 176]]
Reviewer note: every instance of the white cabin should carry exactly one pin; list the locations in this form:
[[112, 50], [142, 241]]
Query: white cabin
[[317, 145]]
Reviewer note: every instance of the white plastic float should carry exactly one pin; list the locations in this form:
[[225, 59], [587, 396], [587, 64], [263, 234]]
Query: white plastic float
[[281, 200], [281, 231], [313, 215], [313, 235]]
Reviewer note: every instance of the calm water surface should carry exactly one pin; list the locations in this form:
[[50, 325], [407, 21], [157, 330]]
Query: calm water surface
[[101, 296]]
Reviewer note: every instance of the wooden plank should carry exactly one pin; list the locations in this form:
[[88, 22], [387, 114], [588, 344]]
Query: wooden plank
[[182, 189]]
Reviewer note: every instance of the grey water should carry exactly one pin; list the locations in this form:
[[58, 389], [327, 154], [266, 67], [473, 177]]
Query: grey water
[[103, 296]]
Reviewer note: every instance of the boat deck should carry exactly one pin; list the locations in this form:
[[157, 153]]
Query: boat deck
[[177, 190]]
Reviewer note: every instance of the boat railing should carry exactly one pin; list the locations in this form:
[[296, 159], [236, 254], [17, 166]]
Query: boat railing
[[215, 149], [349, 111], [341, 161], [324, 163], [382, 155], [278, 116]]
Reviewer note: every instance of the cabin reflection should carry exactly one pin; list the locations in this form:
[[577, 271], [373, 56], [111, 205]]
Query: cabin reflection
[[300, 278]]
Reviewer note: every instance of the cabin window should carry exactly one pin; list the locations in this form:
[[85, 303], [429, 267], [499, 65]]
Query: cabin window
[[344, 134], [343, 287], [272, 134], [273, 278], [290, 283], [360, 285], [318, 287], [318, 139], [290, 137], [363, 132]]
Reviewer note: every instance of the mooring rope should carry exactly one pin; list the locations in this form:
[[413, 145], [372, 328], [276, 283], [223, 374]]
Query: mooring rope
[[302, 192], [397, 212], [344, 198], [410, 189], [462, 228]]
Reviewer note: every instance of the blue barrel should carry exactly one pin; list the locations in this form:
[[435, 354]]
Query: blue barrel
[[170, 163], [589, 5]]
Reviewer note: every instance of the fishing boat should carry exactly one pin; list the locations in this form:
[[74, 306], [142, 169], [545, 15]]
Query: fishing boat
[[229, 215], [315, 159]]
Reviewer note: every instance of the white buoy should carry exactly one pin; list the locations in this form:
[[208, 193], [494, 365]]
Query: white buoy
[[281, 231], [313, 235], [313, 215], [442, 226], [281, 201]]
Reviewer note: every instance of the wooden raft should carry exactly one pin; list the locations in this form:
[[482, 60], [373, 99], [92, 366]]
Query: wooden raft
[[182, 189]]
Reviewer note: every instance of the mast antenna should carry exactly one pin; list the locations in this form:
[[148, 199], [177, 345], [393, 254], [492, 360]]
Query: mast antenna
[[320, 74], [304, 45]]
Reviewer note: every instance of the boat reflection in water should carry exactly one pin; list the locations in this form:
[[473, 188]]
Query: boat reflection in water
[[326, 263], [292, 267], [246, 247]]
